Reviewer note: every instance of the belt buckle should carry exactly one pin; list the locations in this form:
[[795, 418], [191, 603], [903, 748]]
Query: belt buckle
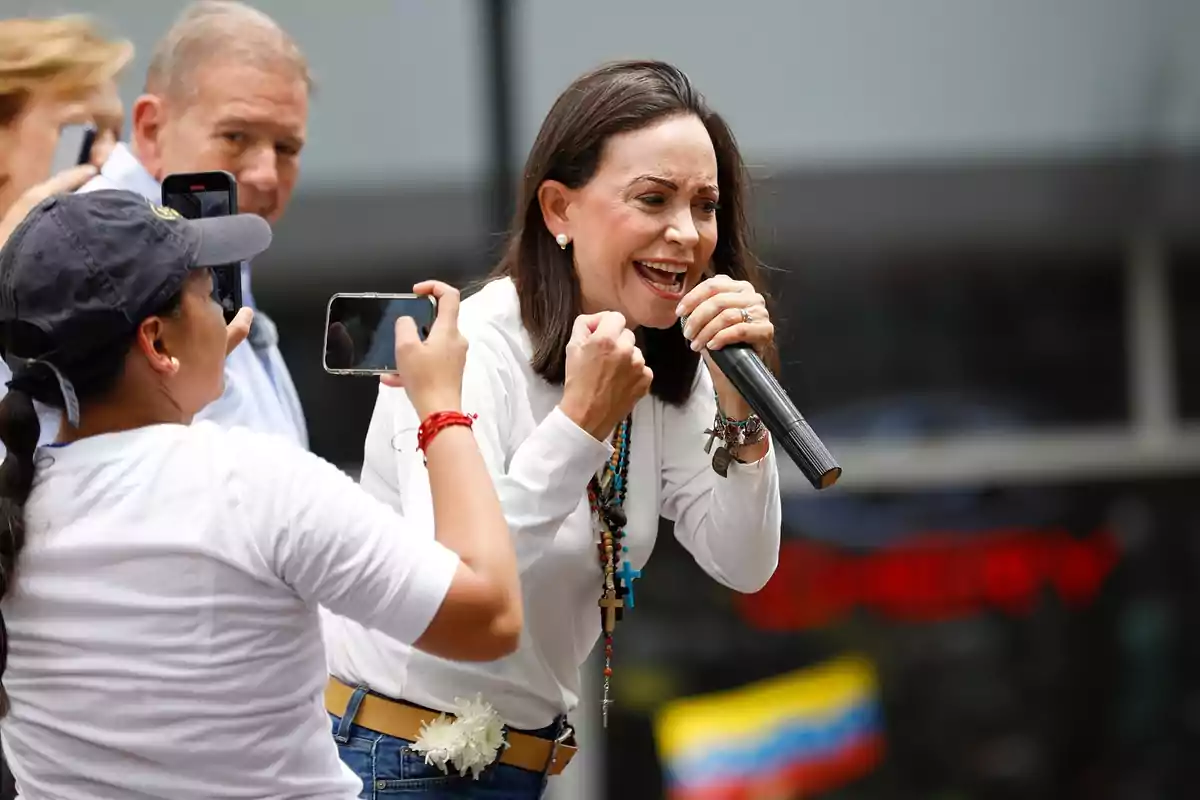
[[566, 733]]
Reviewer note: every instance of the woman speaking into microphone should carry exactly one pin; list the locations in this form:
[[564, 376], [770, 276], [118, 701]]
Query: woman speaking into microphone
[[160, 579], [598, 413]]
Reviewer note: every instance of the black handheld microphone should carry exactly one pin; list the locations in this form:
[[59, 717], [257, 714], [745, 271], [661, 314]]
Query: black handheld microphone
[[750, 376]]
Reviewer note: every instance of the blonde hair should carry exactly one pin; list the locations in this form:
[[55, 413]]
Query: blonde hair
[[66, 55]]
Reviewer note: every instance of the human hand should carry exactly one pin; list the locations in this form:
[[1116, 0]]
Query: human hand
[[238, 329], [431, 371], [66, 181], [606, 373], [102, 147], [720, 311]]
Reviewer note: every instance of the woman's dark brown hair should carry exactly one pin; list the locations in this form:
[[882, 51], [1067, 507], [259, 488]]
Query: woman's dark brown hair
[[618, 97]]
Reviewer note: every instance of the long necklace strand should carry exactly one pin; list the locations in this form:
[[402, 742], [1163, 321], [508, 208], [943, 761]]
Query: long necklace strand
[[606, 495]]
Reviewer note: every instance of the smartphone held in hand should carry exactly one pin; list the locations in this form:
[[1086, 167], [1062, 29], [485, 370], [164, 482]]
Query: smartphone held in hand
[[74, 147], [196, 195], [360, 330]]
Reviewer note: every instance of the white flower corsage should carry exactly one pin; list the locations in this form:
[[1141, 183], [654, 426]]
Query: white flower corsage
[[469, 742]]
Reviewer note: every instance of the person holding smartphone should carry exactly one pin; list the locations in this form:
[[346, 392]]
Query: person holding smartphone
[[53, 73], [227, 89], [161, 578]]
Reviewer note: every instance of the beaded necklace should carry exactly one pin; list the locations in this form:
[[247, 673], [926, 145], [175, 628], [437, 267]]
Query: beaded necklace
[[606, 495]]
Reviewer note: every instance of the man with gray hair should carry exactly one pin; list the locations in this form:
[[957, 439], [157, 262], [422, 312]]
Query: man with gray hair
[[227, 89]]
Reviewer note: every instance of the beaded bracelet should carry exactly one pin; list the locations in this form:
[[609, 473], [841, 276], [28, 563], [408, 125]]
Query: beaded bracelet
[[437, 422]]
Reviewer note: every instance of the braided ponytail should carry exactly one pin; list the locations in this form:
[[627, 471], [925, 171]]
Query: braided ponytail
[[19, 431]]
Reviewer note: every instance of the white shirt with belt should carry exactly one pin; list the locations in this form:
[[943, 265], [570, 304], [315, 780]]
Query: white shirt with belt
[[259, 393], [542, 463]]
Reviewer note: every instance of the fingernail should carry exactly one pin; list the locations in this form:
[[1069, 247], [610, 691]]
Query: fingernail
[[679, 310], [696, 346]]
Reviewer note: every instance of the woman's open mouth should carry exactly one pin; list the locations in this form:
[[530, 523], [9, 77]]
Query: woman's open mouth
[[666, 279]]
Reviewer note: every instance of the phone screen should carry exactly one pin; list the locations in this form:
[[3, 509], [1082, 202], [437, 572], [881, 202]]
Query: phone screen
[[74, 147], [199, 204], [227, 279], [360, 331]]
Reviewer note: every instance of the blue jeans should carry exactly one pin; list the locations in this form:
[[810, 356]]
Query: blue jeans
[[389, 767]]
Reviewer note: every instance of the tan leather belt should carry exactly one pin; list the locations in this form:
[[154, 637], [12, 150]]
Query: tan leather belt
[[404, 721]]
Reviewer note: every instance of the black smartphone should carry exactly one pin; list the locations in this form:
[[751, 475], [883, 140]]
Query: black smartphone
[[196, 195], [74, 147], [360, 330]]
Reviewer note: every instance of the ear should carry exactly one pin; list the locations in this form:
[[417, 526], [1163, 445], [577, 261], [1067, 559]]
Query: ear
[[153, 341], [555, 199], [148, 120]]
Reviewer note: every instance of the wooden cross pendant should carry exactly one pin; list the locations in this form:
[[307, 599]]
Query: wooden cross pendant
[[610, 603]]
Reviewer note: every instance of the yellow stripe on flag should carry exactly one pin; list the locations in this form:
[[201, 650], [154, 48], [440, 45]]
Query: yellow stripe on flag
[[695, 723]]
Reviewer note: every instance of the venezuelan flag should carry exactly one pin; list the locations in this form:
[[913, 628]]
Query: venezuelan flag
[[786, 737]]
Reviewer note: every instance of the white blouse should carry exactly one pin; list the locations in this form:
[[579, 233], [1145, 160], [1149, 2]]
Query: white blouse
[[542, 463]]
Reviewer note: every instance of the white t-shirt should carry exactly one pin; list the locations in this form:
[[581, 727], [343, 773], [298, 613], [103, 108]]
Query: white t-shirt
[[541, 462], [164, 638]]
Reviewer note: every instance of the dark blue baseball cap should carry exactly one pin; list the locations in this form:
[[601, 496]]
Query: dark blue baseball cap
[[82, 271]]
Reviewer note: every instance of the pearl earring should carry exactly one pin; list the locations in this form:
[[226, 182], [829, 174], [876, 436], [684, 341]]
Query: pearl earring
[[174, 363], [563, 240]]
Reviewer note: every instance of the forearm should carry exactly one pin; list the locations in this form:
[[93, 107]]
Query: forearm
[[546, 481], [539, 483], [737, 540], [468, 517], [730, 525], [735, 407]]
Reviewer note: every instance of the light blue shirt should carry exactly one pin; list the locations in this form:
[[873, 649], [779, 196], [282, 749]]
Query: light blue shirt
[[259, 393]]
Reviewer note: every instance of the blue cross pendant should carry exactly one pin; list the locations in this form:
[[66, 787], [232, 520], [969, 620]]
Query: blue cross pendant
[[628, 575]]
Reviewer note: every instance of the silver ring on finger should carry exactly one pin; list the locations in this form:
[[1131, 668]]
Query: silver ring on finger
[[745, 315]]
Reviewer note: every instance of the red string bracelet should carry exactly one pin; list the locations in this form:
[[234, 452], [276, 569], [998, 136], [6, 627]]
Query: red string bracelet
[[437, 422]]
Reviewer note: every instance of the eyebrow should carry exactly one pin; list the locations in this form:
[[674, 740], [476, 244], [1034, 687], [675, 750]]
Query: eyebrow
[[260, 124], [711, 187]]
